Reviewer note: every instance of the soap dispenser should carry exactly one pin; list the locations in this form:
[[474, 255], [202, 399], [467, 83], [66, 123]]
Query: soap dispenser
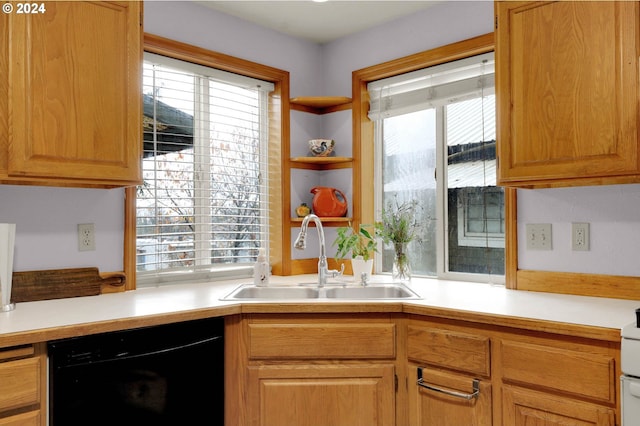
[[261, 269]]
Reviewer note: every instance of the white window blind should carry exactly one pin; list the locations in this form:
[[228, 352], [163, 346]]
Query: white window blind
[[432, 87], [203, 206], [435, 144]]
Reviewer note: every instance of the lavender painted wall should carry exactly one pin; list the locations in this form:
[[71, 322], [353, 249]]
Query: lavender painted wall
[[46, 226], [439, 25], [46, 218], [613, 214], [200, 26]]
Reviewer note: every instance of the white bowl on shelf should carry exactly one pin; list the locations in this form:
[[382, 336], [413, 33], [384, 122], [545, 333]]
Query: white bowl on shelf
[[321, 147]]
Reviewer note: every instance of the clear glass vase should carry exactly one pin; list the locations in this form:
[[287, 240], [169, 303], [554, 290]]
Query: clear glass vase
[[401, 271]]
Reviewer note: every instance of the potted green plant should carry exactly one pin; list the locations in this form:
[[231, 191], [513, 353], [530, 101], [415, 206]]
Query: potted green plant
[[398, 227], [361, 244]]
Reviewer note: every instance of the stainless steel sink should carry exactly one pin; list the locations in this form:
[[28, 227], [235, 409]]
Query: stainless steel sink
[[304, 292], [389, 291], [251, 292]]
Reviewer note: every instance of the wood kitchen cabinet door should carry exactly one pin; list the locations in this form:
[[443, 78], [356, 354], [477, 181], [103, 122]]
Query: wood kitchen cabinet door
[[74, 94], [567, 92], [322, 395], [31, 418], [23, 380], [523, 407], [429, 407]]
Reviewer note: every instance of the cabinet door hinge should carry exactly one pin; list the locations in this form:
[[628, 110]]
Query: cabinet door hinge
[[496, 21], [396, 380]]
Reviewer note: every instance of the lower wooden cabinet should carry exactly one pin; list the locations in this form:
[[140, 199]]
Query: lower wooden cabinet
[[523, 407], [564, 381], [23, 385], [580, 371], [415, 370], [522, 377], [311, 370], [440, 397], [449, 375], [317, 395], [31, 418]]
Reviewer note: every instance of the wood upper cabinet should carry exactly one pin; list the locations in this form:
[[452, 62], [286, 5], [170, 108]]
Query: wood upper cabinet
[[567, 93], [72, 114]]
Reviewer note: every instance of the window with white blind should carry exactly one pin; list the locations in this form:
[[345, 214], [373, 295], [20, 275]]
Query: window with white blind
[[435, 143], [203, 206]]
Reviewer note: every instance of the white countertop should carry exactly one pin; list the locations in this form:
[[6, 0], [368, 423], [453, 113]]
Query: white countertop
[[441, 295]]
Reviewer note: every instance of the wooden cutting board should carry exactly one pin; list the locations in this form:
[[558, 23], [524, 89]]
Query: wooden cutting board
[[62, 283]]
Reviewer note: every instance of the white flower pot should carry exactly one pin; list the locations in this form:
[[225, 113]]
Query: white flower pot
[[359, 267]]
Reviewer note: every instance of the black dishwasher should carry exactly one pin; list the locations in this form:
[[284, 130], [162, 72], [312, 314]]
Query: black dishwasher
[[163, 375]]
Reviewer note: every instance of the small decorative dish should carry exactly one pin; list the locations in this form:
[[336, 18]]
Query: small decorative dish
[[321, 147]]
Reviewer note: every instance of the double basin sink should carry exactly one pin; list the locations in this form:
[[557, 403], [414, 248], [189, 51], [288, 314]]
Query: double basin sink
[[332, 291]]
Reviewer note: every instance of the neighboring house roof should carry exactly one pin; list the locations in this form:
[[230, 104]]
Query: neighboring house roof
[[472, 174], [173, 128]]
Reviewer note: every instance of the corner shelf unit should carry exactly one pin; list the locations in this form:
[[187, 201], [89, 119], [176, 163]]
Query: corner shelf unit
[[318, 105]]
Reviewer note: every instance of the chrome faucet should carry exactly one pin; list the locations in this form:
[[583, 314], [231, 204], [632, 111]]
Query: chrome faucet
[[300, 244]]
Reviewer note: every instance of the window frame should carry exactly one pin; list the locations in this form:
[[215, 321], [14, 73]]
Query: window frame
[[364, 129], [473, 239], [278, 140]]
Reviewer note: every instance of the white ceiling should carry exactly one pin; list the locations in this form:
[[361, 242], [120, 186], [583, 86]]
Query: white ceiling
[[319, 22]]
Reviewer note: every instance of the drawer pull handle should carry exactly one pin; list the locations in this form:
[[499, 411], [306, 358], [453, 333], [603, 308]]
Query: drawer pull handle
[[463, 395]]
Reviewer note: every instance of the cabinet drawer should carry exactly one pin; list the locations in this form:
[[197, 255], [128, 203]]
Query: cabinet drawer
[[432, 407], [578, 373], [322, 341], [19, 383], [449, 349], [32, 418]]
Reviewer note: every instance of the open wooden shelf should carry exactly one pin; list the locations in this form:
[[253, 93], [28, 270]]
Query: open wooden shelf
[[320, 104], [321, 163], [339, 221]]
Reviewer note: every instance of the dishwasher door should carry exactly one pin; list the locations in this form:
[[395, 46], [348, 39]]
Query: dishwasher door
[[630, 391], [164, 375]]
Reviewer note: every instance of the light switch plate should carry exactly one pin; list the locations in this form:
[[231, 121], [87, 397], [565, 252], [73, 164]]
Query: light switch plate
[[538, 236]]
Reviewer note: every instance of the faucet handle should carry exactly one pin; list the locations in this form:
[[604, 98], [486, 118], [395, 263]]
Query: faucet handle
[[364, 277], [339, 273]]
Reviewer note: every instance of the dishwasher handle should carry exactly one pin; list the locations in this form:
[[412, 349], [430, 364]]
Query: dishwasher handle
[[463, 395]]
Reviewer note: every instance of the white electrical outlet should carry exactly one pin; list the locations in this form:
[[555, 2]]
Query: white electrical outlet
[[86, 237], [580, 236], [538, 236]]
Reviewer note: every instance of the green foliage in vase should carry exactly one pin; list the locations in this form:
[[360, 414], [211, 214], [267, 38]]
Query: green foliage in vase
[[398, 224], [358, 242]]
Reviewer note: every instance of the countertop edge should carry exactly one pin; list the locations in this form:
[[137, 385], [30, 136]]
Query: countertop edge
[[580, 316]]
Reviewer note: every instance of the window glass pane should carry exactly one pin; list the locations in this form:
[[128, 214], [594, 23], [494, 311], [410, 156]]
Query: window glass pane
[[475, 237], [203, 200], [425, 125], [408, 173]]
